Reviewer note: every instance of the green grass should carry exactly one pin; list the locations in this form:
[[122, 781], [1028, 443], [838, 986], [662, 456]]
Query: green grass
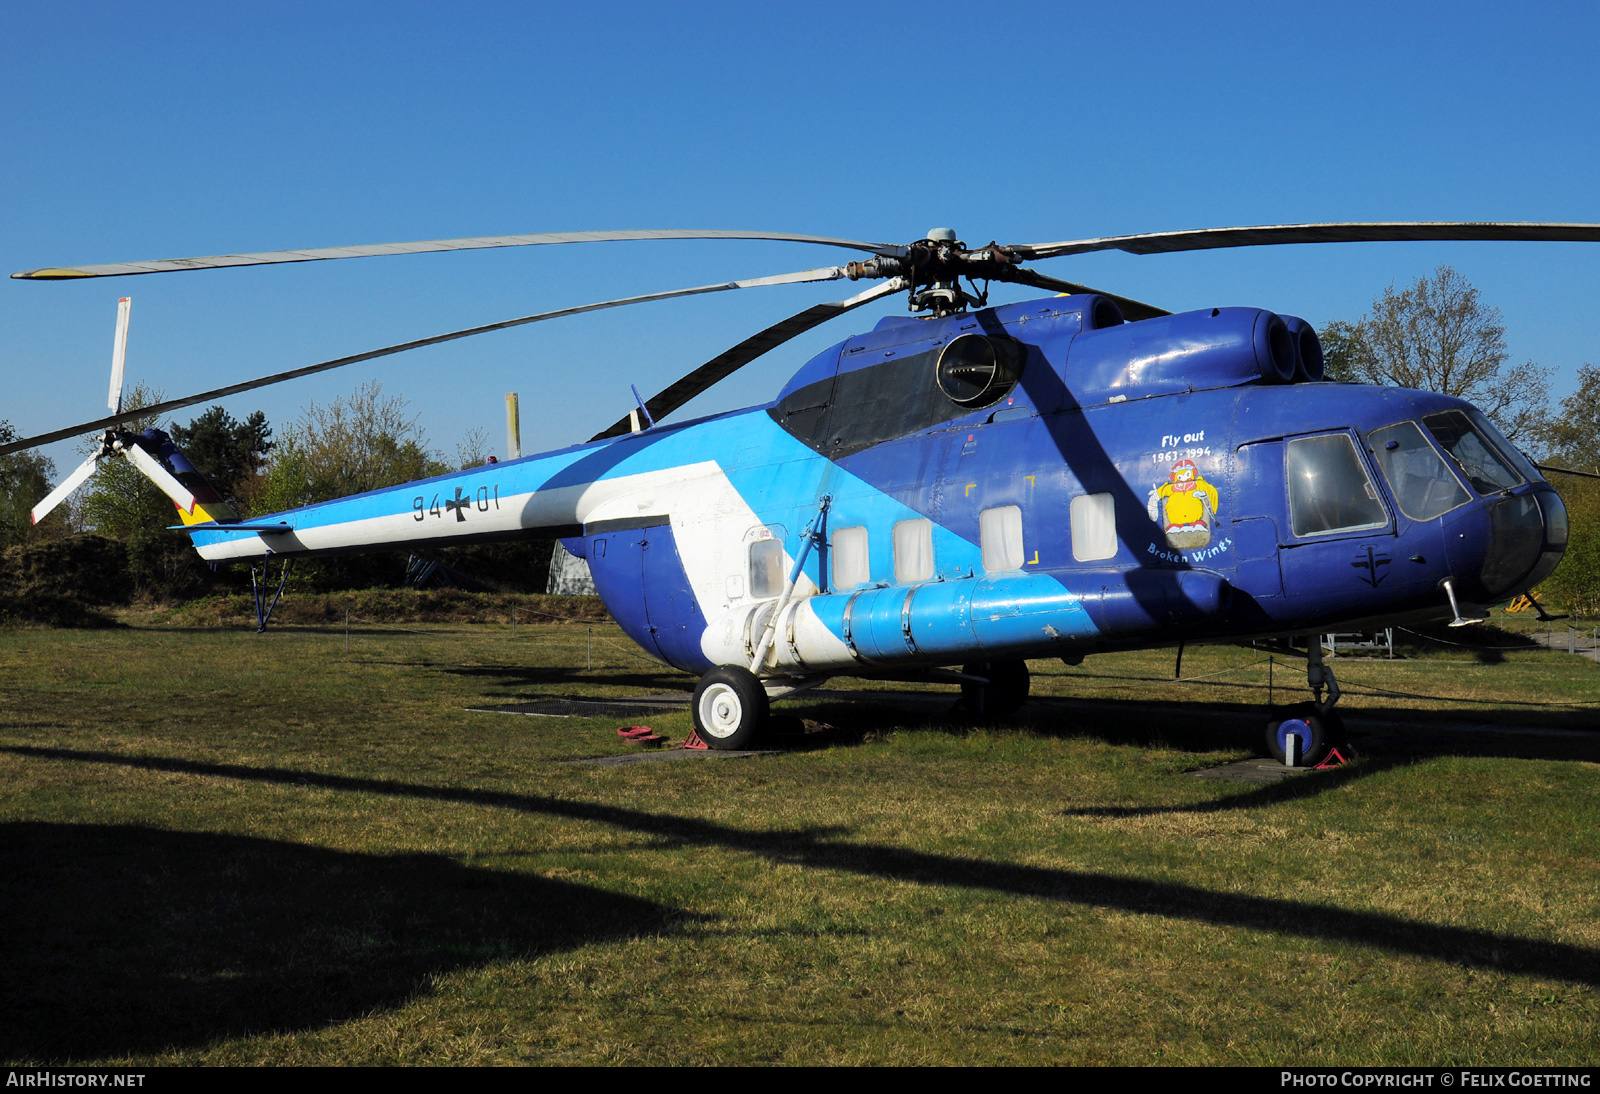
[[218, 847]]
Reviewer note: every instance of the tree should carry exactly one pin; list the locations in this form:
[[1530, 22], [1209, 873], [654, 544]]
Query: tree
[[1573, 436], [353, 444], [1439, 335], [348, 446], [25, 478], [228, 452], [473, 449], [1573, 440]]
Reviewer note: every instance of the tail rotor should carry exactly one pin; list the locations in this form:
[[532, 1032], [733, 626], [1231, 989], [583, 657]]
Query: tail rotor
[[117, 439]]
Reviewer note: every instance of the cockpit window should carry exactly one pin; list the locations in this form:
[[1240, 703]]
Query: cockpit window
[[1513, 455], [1329, 489], [1485, 468], [1421, 482]]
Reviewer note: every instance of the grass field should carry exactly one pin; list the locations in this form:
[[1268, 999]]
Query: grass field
[[218, 847]]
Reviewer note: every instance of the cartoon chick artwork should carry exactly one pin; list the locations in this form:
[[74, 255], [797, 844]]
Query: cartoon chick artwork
[[1184, 506]]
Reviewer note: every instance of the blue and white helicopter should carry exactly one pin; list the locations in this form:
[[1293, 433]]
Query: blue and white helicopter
[[965, 487]]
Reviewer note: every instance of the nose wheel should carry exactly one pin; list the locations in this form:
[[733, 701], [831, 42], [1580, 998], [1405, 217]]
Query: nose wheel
[[730, 707], [1305, 734]]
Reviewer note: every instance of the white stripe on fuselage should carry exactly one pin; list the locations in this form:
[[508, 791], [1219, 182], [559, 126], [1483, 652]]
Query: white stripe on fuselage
[[708, 516]]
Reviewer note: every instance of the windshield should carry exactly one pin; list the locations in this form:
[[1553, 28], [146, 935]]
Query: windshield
[[1510, 451], [1329, 490], [1422, 484], [1488, 472]]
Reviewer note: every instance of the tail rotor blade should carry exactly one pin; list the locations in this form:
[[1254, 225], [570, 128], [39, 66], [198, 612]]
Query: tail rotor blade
[[119, 354], [68, 485], [159, 475]]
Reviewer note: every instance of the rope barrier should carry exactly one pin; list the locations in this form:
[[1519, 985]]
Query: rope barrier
[[1219, 672], [1469, 645]]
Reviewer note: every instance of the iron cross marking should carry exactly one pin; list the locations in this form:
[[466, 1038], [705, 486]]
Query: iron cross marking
[[1369, 560], [459, 504]]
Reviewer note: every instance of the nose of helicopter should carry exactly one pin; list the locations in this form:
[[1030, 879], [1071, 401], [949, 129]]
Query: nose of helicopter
[[1506, 545]]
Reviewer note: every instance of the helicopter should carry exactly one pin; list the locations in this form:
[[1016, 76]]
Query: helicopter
[[964, 487]]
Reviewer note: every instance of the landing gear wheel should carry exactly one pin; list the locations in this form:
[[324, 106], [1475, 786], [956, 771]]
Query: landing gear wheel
[[1315, 734], [730, 707], [1002, 696]]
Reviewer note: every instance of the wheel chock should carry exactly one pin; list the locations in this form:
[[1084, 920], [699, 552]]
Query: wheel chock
[[1335, 759], [641, 735], [694, 741]]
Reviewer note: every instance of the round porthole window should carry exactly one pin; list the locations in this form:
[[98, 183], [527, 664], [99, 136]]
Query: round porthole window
[[975, 370]]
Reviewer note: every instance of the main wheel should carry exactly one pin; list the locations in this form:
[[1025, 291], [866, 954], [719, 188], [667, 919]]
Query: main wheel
[[1002, 696], [1314, 734], [730, 706]]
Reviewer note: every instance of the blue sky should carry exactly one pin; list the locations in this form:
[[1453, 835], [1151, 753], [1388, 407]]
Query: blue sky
[[153, 131]]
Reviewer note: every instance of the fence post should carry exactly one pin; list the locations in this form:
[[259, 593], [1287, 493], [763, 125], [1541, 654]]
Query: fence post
[[588, 649]]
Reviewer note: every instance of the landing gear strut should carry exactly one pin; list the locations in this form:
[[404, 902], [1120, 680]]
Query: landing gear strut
[[1305, 734], [1003, 693]]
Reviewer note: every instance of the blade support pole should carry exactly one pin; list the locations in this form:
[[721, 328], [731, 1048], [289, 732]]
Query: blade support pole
[[807, 539], [513, 427]]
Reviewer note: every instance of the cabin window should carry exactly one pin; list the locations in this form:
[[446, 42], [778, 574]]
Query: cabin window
[[851, 564], [1094, 527], [1329, 489], [1422, 484], [1472, 451], [913, 550], [1000, 534], [766, 568]]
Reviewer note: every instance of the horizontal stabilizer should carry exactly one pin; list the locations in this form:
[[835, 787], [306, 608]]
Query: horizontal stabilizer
[[255, 529]]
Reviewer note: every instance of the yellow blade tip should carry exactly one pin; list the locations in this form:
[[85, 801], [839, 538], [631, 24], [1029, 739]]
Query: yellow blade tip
[[52, 274]]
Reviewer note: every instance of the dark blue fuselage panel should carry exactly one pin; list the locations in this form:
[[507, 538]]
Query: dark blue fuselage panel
[[640, 576]]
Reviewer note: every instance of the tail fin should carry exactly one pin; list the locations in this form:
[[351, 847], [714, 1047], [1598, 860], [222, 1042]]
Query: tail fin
[[204, 503]]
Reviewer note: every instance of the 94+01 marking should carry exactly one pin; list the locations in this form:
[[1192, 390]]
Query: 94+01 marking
[[459, 505]]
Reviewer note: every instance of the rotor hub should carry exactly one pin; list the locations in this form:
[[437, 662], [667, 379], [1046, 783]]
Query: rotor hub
[[935, 266]]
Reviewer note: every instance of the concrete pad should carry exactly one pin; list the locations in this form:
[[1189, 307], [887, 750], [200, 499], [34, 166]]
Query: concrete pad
[[560, 706], [1264, 770]]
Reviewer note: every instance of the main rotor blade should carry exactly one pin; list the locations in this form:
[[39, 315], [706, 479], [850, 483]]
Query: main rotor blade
[[1566, 471], [825, 273], [68, 485], [1204, 239], [728, 362], [266, 258], [1132, 310]]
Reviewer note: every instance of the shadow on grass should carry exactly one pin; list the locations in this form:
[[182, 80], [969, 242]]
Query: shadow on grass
[[511, 681], [1297, 788], [826, 850], [125, 940]]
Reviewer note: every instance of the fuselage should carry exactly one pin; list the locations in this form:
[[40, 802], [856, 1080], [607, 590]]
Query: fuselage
[[1126, 485]]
